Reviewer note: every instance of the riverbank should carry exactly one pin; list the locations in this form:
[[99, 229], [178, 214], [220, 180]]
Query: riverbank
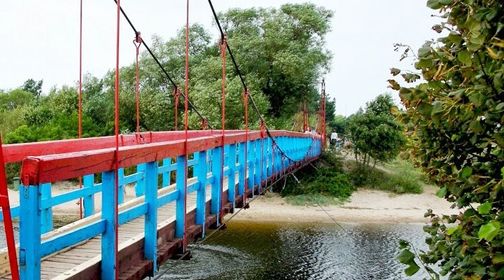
[[364, 206]]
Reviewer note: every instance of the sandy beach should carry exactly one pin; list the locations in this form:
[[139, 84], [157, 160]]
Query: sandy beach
[[364, 206]]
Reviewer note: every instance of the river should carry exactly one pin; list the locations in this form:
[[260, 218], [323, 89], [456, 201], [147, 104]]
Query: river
[[256, 251], [298, 251]]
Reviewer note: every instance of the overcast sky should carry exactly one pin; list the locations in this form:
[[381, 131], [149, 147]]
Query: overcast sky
[[40, 39]]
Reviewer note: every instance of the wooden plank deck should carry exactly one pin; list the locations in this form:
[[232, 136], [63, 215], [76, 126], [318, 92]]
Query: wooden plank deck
[[68, 263]]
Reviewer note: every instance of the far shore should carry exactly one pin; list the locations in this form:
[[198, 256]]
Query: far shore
[[364, 206]]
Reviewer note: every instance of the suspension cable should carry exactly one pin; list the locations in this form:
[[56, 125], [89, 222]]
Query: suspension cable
[[193, 107], [186, 125], [245, 88], [79, 97], [223, 45], [138, 43], [246, 167], [116, 130]]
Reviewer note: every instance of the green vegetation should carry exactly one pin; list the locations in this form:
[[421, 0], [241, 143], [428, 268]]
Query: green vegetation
[[336, 179], [323, 184], [375, 133], [397, 177], [454, 117], [281, 52]]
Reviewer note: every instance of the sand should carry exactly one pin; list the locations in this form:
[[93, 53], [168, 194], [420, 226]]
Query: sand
[[364, 206]]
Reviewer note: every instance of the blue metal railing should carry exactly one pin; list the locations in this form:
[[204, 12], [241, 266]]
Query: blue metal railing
[[37, 203]]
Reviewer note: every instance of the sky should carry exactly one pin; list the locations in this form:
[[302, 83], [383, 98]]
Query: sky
[[41, 39]]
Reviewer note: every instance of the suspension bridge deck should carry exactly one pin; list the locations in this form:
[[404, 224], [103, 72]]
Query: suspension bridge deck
[[82, 261]]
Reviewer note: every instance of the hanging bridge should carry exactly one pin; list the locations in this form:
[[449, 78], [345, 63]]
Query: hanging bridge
[[184, 183], [169, 210]]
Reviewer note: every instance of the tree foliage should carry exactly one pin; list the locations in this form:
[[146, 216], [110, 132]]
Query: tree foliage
[[375, 133], [456, 116], [281, 52]]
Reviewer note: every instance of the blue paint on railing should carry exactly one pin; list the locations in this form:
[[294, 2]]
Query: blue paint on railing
[[264, 163]]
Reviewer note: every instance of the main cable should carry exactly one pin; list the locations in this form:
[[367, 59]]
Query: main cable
[[193, 107], [242, 79]]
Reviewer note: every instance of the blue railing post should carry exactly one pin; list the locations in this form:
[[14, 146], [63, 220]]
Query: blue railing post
[[257, 165], [120, 190], [241, 170], [250, 167], [268, 158], [264, 164], [46, 213], [231, 163], [166, 175], [88, 201], [29, 233], [180, 203], [216, 203], [201, 173], [108, 239], [140, 184], [150, 227]]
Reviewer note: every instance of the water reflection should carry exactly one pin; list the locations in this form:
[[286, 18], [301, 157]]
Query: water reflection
[[293, 251]]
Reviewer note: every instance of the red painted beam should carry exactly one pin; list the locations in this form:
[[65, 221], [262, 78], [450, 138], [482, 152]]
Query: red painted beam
[[18, 152], [63, 166]]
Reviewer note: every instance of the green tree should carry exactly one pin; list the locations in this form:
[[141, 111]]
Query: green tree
[[282, 51], [35, 87], [374, 132], [456, 116], [339, 124], [14, 99]]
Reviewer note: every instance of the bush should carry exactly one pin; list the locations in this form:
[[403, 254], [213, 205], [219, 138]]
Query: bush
[[402, 178], [328, 180]]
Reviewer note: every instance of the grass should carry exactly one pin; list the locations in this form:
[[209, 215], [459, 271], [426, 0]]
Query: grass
[[323, 185], [312, 199], [398, 177], [335, 180]]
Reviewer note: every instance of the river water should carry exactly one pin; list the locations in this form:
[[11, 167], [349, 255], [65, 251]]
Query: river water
[[287, 251], [298, 251]]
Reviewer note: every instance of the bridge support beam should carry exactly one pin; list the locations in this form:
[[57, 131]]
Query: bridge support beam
[[108, 240], [250, 167], [231, 163], [216, 202], [88, 201], [120, 190], [180, 202], [166, 175], [201, 172], [140, 185], [241, 171], [150, 224], [29, 233], [46, 212]]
